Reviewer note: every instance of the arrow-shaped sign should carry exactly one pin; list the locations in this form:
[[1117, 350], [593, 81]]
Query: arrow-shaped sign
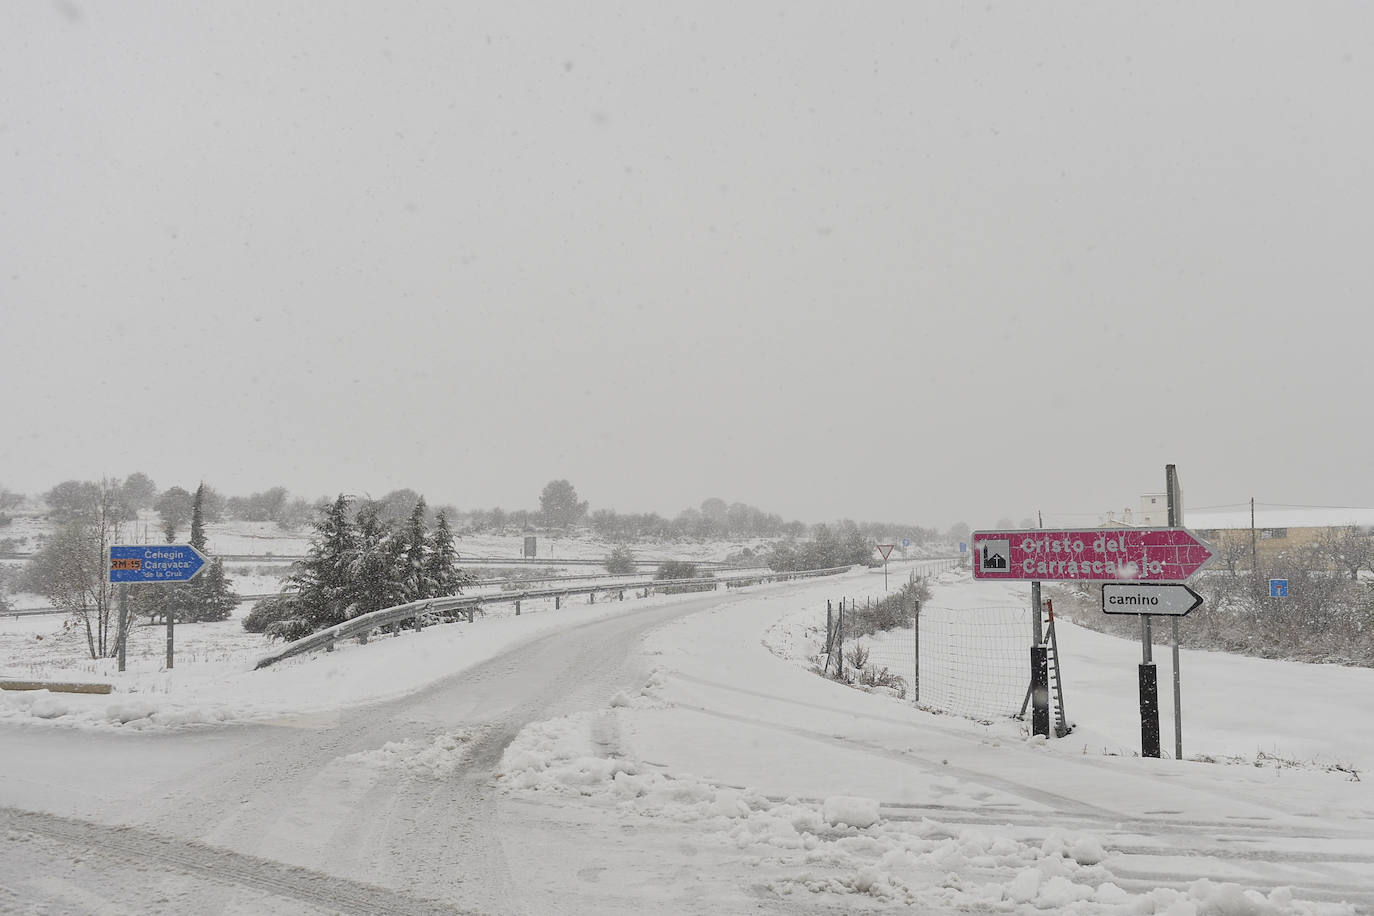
[[155, 562], [1143, 598], [1102, 554]]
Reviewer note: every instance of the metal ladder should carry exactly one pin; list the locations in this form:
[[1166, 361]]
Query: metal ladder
[[1061, 722]]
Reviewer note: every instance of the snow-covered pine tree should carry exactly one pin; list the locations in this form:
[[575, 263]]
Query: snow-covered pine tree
[[442, 575], [321, 584], [216, 598], [376, 565], [415, 546]]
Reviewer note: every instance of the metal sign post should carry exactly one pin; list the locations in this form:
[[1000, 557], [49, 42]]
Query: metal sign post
[[886, 551], [1040, 669], [123, 621], [1175, 503]]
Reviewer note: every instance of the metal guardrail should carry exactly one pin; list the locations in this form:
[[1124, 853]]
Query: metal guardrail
[[466, 560], [468, 605], [504, 584], [34, 611]]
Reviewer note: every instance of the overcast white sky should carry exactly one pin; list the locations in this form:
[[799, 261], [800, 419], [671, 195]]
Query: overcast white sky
[[890, 261]]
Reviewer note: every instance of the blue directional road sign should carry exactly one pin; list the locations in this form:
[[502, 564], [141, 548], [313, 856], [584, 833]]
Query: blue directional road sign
[[1278, 588], [155, 562], [963, 546]]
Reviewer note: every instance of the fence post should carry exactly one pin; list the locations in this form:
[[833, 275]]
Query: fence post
[[916, 678], [840, 640], [829, 634]]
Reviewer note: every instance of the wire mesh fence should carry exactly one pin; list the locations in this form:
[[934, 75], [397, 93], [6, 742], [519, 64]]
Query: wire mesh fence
[[972, 661]]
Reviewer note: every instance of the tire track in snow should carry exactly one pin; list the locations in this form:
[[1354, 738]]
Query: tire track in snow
[[286, 810], [222, 866], [1316, 875], [1061, 804]]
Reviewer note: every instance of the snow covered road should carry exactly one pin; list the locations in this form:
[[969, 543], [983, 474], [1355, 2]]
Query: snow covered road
[[660, 757], [336, 795]]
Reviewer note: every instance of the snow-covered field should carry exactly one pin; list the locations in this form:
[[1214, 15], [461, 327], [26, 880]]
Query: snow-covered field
[[267, 547], [675, 754]]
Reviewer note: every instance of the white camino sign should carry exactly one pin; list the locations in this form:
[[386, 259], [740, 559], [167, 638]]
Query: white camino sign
[[1175, 600]]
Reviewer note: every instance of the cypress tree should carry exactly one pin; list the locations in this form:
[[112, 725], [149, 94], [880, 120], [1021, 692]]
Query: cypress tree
[[208, 597], [198, 519]]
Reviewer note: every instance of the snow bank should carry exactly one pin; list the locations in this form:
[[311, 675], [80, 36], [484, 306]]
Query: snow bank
[[843, 846], [442, 757], [843, 810]]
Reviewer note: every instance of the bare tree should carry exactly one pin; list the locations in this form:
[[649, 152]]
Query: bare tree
[[70, 570], [1233, 550], [1349, 549]]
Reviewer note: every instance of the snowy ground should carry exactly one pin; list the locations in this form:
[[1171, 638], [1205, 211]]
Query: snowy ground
[[674, 754]]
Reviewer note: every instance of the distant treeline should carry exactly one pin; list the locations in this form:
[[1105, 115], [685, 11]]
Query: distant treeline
[[559, 508]]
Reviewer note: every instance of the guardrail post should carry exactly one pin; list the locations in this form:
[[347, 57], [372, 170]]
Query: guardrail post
[[591, 597], [517, 607], [622, 594], [329, 646]]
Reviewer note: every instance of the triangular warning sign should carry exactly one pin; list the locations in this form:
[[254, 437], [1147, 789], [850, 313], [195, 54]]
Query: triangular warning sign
[[885, 549]]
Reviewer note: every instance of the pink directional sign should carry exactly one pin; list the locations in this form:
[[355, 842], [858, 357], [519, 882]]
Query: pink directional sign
[[1101, 555]]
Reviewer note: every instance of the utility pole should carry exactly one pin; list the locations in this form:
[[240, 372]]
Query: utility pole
[[1175, 503], [1254, 563]]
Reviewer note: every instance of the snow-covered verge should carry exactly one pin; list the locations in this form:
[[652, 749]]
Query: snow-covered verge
[[1235, 708], [828, 790], [852, 846], [213, 681]]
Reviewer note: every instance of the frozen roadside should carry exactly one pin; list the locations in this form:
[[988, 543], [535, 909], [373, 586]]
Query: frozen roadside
[[826, 790], [213, 681]]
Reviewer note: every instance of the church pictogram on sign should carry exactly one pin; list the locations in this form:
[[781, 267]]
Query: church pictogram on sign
[[993, 556]]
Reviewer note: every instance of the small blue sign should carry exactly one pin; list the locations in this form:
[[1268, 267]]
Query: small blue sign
[[963, 547], [155, 562], [1278, 588], [906, 542]]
